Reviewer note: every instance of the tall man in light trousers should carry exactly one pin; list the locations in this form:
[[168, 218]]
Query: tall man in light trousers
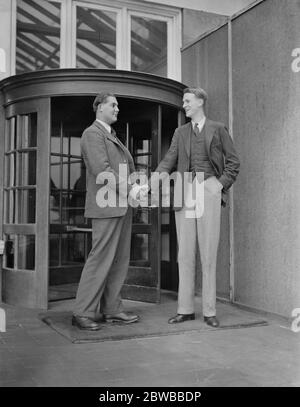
[[201, 146]]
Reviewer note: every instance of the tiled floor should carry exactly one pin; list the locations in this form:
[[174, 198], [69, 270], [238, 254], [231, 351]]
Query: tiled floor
[[32, 354]]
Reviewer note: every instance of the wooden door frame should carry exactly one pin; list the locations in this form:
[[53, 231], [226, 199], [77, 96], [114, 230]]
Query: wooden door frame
[[2, 144], [37, 280]]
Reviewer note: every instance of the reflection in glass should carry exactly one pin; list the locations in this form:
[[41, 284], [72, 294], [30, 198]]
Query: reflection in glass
[[10, 178], [27, 165], [75, 145], [55, 145], [71, 172], [54, 207], [141, 215], [149, 45], [165, 246], [73, 248], [26, 252], [10, 207], [11, 135], [65, 174], [141, 148], [55, 171], [67, 171], [165, 216], [38, 35], [66, 207], [70, 141], [54, 250], [139, 247], [29, 132], [77, 203], [9, 253], [95, 38], [26, 205]]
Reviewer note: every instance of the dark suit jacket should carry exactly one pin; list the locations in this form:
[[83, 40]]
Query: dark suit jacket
[[220, 148], [103, 153]]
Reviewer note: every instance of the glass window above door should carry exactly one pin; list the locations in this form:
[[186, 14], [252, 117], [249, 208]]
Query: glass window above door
[[96, 33], [102, 34], [149, 44], [38, 35]]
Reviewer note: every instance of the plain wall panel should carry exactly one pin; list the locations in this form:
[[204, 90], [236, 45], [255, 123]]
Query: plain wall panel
[[205, 64], [266, 128], [196, 23]]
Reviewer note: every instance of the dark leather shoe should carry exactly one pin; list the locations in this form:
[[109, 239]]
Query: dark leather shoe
[[98, 318], [85, 323], [212, 321], [122, 317], [181, 318]]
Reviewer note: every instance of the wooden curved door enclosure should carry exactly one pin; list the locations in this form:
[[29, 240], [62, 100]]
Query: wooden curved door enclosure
[[47, 238]]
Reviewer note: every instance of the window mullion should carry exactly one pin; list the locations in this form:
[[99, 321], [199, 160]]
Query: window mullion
[[64, 62], [124, 30], [73, 33], [120, 42], [176, 36]]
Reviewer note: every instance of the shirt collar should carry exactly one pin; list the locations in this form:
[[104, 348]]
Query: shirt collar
[[200, 124], [105, 125]]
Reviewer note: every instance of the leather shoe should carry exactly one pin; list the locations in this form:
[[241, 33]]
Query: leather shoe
[[212, 321], [181, 318], [123, 317], [98, 318], [85, 323]]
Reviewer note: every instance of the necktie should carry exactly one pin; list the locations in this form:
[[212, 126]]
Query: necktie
[[196, 130], [114, 135]]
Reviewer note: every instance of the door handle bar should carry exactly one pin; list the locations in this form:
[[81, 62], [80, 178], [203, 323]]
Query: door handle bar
[[70, 228]]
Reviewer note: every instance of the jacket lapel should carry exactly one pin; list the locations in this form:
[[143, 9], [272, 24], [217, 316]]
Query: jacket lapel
[[114, 138], [187, 138], [104, 131], [209, 133]]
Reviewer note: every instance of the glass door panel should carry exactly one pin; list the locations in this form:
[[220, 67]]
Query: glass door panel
[[69, 247], [138, 124]]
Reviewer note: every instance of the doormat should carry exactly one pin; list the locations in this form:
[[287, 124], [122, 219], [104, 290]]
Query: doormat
[[153, 322]]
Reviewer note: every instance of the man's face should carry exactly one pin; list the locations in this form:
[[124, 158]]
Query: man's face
[[192, 105], [108, 111]]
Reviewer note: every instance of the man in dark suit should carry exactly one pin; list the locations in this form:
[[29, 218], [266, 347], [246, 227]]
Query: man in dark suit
[[98, 297], [204, 148]]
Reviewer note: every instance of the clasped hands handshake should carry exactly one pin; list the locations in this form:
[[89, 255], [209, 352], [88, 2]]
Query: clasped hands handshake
[[138, 194]]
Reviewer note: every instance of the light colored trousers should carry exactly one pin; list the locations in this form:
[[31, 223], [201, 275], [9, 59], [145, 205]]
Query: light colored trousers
[[106, 267], [202, 220]]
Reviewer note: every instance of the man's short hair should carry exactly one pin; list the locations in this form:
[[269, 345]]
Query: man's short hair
[[101, 98], [198, 92]]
